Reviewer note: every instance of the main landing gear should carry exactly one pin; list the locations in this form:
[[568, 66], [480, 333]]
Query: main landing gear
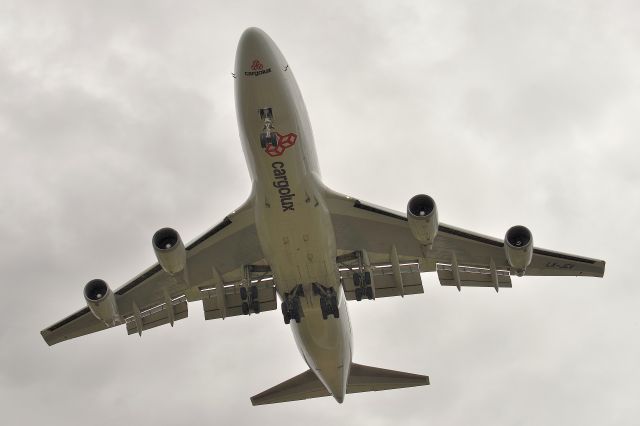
[[358, 263], [291, 307], [362, 284], [268, 135], [250, 300], [328, 301]]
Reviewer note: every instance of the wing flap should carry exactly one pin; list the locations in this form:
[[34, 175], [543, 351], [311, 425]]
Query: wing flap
[[158, 316], [473, 277], [232, 304], [384, 282]]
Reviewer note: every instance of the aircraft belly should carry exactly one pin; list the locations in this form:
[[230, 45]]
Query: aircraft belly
[[298, 245], [326, 345], [292, 219]]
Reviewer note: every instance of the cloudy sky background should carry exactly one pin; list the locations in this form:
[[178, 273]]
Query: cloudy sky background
[[117, 118]]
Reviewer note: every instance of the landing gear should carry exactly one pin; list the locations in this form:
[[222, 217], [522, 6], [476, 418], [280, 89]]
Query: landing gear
[[328, 301], [250, 300], [358, 264], [362, 284], [268, 135], [369, 292], [268, 139], [291, 307]]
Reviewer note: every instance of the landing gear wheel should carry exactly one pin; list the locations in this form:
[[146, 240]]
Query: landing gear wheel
[[243, 293], [323, 308], [270, 139], [369, 292], [336, 311], [245, 308], [367, 278], [266, 113], [358, 294], [255, 307], [254, 292], [285, 312], [356, 279]]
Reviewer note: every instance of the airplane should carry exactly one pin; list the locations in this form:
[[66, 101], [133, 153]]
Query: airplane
[[313, 249]]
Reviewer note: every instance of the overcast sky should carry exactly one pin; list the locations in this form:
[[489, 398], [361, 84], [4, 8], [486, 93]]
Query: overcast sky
[[117, 118]]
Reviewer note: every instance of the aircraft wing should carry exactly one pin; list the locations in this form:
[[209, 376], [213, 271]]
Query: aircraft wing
[[217, 263], [460, 257]]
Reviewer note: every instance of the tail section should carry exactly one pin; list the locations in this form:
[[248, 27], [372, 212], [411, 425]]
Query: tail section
[[362, 378], [303, 386]]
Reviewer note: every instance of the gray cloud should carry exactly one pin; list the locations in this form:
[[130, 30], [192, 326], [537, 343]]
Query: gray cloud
[[117, 118]]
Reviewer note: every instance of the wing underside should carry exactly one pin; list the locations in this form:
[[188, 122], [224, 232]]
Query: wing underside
[[220, 263], [460, 257]]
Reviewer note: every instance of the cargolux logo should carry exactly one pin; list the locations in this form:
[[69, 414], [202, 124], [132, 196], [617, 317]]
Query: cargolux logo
[[284, 142], [257, 69], [256, 65]]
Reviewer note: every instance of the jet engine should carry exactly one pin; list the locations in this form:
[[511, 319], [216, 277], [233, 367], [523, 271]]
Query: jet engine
[[101, 302], [169, 250], [422, 214], [518, 247]]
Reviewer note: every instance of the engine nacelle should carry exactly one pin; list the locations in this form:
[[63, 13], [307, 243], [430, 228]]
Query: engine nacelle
[[101, 302], [169, 250], [518, 247], [422, 214]]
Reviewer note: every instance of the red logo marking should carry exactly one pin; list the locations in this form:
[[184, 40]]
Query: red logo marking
[[256, 65], [284, 142]]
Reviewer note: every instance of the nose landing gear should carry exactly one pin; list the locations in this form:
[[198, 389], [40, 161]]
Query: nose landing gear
[[268, 135]]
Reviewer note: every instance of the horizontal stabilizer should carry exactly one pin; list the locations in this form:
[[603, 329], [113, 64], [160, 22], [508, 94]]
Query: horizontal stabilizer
[[362, 378], [303, 386]]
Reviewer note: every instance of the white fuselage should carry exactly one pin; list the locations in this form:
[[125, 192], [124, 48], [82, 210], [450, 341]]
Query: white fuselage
[[293, 222]]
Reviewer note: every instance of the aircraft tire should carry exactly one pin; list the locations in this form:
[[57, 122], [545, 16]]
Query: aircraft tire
[[369, 292], [358, 294], [356, 279]]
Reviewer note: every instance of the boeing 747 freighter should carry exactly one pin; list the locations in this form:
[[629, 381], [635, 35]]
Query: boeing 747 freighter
[[299, 246]]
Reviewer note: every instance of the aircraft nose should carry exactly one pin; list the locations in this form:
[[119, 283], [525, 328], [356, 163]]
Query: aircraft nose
[[253, 42], [256, 53], [252, 36]]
